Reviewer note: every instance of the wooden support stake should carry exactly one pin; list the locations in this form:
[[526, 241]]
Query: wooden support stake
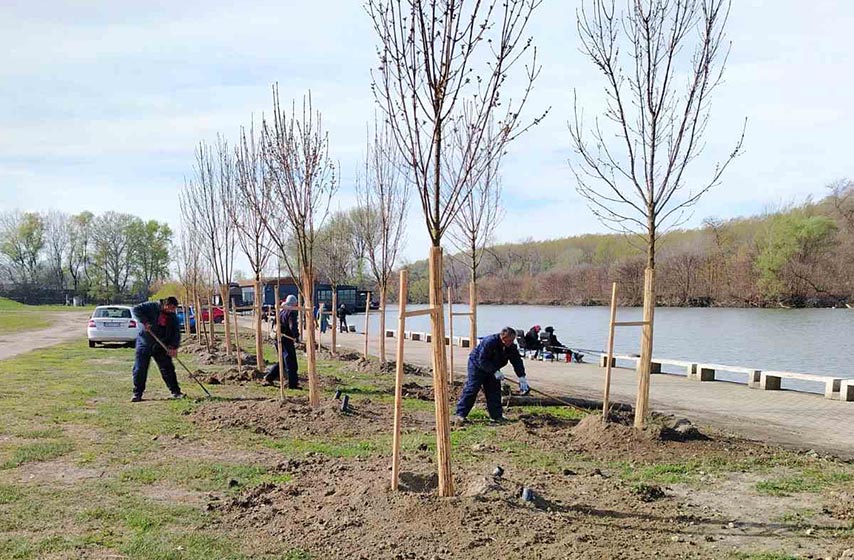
[[645, 362], [226, 307], [237, 342], [605, 399], [473, 311], [440, 375], [211, 320], [451, 339], [367, 320], [429, 311], [279, 343], [310, 344], [398, 380], [259, 332], [320, 312], [334, 318]]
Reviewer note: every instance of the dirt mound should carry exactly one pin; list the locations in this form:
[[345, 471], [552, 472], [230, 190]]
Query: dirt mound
[[294, 417], [413, 390], [408, 369], [231, 375]]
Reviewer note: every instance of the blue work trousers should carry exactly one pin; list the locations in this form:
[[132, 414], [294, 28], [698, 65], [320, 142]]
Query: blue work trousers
[[289, 357], [144, 354], [476, 379]]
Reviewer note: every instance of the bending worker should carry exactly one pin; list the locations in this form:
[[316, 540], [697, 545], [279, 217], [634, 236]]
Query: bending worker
[[160, 321], [485, 361], [289, 319]]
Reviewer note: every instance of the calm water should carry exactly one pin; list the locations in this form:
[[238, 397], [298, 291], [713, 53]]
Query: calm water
[[819, 341]]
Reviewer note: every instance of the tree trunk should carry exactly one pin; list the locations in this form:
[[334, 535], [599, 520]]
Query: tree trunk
[[259, 335], [383, 299], [334, 318], [440, 375], [310, 348], [211, 319], [645, 362], [223, 294]]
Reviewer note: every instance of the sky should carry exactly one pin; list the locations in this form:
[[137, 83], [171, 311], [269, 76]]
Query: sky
[[102, 103]]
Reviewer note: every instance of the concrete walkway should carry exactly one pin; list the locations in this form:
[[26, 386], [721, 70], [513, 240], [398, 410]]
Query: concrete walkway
[[788, 418]]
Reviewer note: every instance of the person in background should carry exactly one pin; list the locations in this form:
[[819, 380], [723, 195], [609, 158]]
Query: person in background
[[554, 345], [287, 345], [485, 361], [160, 321], [342, 318], [532, 340], [322, 318]]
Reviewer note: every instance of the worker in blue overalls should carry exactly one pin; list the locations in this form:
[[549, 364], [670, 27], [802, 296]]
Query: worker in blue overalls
[[485, 363]]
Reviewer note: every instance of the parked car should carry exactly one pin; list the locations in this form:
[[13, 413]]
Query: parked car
[[112, 323], [180, 313], [218, 314]]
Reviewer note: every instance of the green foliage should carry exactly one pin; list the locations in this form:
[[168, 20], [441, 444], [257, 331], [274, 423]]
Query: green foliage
[[793, 237]]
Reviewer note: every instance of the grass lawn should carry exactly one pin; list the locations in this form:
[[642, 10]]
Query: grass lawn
[[85, 471], [17, 317]]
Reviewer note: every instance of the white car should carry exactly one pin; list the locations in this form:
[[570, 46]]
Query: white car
[[112, 323]]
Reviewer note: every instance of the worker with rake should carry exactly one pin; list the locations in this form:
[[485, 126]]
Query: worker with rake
[[160, 340], [485, 363]]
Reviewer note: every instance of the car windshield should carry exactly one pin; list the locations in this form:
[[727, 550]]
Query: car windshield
[[112, 313]]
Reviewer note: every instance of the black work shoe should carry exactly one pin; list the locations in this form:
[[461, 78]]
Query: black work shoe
[[136, 398], [178, 395], [500, 420]]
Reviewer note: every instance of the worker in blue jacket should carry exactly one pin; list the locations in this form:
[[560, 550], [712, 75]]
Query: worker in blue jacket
[[287, 345], [485, 363], [160, 321]]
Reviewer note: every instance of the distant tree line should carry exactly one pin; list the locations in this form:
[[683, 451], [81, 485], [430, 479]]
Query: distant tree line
[[47, 257], [799, 256]]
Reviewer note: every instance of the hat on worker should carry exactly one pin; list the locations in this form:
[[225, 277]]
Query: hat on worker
[[290, 301], [536, 328], [550, 329]]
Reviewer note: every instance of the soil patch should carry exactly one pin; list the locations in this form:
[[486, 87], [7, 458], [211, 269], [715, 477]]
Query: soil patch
[[297, 419], [58, 472]]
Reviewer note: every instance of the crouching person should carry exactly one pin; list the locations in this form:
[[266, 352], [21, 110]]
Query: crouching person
[[159, 321], [485, 361]]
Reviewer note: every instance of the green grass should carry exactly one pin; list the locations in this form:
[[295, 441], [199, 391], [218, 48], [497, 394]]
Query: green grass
[[39, 451], [808, 480]]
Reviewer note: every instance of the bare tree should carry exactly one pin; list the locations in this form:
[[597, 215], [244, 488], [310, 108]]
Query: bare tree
[[437, 59], [381, 214], [207, 197], [249, 209], [474, 226], [57, 226], [303, 179], [662, 60]]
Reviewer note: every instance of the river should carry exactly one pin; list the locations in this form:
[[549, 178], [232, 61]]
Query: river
[[819, 341]]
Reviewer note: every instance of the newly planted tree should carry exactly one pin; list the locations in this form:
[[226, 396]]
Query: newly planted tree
[[440, 61], [303, 179], [381, 214], [662, 60]]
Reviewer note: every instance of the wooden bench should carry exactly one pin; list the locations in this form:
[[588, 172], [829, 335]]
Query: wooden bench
[[415, 335], [603, 359], [846, 390], [706, 372], [770, 381], [465, 342]]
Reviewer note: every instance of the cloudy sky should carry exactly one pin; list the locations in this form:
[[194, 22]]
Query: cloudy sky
[[102, 103]]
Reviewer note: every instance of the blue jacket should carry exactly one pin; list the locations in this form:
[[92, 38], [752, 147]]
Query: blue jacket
[[491, 355], [163, 325], [290, 323]]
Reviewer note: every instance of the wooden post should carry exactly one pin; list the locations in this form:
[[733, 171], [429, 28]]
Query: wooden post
[[645, 362], [279, 341], [259, 333], [237, 342], [334, 318], [451, 339], [367, 320], [398, 380], [223, 290], [473, 316], [383, 299], [440, 375], [320, 310], [605, 399], [211, 323], [310, 347]]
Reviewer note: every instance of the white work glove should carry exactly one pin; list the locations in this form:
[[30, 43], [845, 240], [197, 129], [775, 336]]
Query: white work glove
[[499, 376], [523, 385]]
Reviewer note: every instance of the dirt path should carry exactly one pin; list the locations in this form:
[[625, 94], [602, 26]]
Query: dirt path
[[788, 418], [67, 325]]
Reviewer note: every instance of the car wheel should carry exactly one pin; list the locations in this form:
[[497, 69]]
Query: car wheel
[[130, 345], [91, 344]]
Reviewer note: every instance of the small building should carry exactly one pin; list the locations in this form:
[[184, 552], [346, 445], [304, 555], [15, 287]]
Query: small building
[[347, 294]]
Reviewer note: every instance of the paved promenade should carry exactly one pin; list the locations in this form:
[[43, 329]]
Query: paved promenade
[[787, 418]]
